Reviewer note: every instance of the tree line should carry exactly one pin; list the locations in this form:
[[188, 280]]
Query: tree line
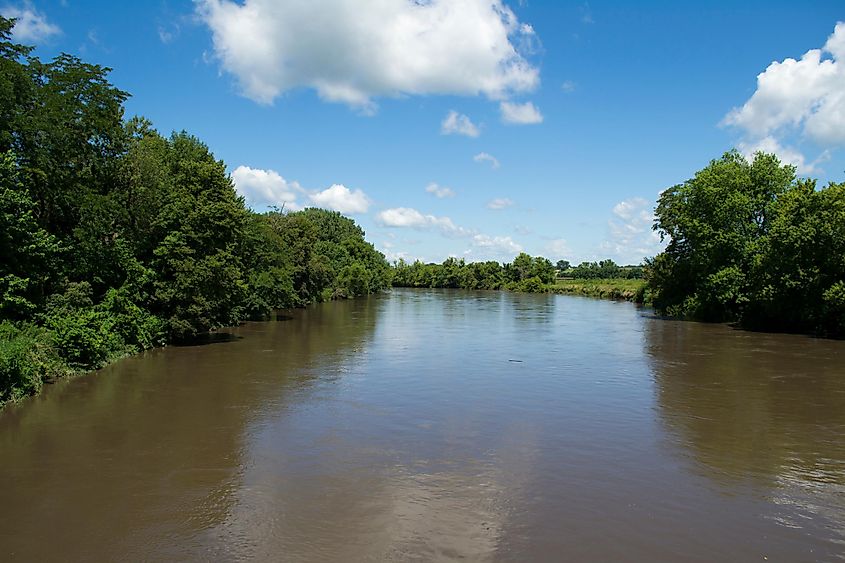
[[750, 242], [525, 273], [115, 238], [603, 269]]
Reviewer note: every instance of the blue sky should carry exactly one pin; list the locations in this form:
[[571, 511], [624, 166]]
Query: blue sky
[[473, 128]]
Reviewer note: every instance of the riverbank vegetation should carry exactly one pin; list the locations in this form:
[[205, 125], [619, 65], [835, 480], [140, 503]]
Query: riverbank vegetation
[[115, 238], [750, 242], [528, 274], [628, 289], [525, 273], [603, 270]]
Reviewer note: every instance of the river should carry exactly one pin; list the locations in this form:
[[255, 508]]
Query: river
[[432, 425]]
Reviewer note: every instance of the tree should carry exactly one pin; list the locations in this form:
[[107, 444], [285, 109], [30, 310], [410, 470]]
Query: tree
[[749, 242], [199, 283], [27, 252], [715, 224]]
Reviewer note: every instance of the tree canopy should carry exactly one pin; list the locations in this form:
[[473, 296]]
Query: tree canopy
[[750, 242], [115, 238]]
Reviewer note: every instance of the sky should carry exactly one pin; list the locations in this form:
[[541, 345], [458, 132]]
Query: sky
[[473, 128]]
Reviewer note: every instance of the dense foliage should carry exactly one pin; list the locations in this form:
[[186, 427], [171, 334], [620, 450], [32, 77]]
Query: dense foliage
[[525, 273], [114, 238], [604, 269], [749, 242]]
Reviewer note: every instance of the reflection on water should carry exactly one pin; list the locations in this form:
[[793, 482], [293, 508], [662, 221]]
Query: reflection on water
[[439, 425], [119, 463], [766, 409], [752, 405]]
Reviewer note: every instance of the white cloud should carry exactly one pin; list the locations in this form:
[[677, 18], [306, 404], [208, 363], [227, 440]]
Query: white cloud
[[805, 96], [167, 34], [407, 217], [631, 237], [459, 124], [520, 114], [340, 198], [501, 246], [439, 191], [31, 25], [632, 208], [392, 256], [788, 155], [500, 203], [485, 157], [558, 248], [568, 86], [263, 188], [351, 51]]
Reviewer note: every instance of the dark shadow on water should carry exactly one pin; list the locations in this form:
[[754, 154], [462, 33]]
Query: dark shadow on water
[[209, 338], [648, 313], [782, 330]]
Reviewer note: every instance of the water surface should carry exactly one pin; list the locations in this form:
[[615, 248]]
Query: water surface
[[437, 425]]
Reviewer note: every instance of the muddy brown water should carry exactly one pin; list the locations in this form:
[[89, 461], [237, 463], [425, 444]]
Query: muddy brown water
[[439, 425]]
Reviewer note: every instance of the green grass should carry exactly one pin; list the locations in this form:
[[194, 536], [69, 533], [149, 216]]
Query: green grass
[[625, 289]]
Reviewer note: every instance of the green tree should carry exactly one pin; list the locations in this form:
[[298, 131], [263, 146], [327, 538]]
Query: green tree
[[27, 252], [200, 283], [716, 225]]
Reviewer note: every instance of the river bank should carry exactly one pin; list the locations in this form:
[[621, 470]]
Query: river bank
[[620, 289]]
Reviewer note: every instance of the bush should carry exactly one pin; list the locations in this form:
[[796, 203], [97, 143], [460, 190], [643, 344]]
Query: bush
[[134, 326], [26, 360], [529, 285], [85, 339], [354, 280]]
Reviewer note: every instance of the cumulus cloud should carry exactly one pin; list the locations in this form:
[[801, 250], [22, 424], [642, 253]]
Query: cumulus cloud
[[407, 217], [805, 96], [459, 124], [31, 25], [355, 51], [787, 154], [482, 246], [340, 198], [264, 188], [631, 237], [439, 191], [485, 157], [558, 248], [501, 246], [392, 256], [500, 203], [520, 114]]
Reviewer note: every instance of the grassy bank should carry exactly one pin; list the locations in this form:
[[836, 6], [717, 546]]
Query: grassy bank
[[624, 289]]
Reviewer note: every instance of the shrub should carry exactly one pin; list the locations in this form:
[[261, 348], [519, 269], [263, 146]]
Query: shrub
[[529, 285], [84, 338], [135, 327], [26, 360]]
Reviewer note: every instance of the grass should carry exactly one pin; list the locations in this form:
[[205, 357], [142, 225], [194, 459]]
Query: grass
[[624, 289]]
